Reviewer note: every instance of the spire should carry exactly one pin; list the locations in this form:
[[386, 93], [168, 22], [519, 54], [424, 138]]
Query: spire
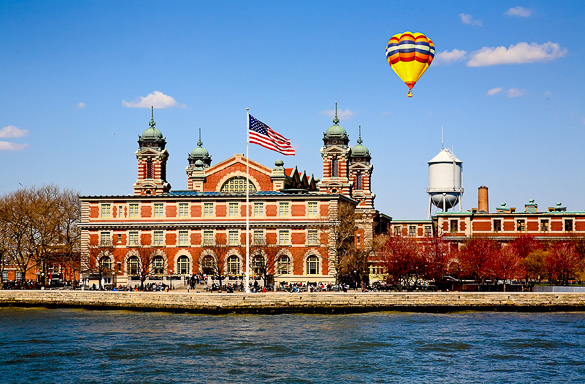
[[199, 143], [359, 140], [335, 119], [152, 123]]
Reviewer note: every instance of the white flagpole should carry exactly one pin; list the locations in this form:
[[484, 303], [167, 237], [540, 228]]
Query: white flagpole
[[247, 201]]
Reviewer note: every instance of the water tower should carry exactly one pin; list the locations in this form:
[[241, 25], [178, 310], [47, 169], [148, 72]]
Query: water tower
[[444, 189]]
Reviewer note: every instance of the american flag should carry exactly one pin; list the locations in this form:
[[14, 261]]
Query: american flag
[[263, 135]]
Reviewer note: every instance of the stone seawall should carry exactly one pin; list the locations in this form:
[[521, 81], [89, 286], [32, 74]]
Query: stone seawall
[[273, 303]]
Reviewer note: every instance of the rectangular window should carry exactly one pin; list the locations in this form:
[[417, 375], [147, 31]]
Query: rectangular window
[[258, 237], [283, 237], [497, 225], [105, 238], [119, 238], [233, 209], [453, 225], [397, 230], [313, 237], [208, 209], [359, 185], [568, 225], [258, 209], [158, 238], [544, 225], [133, 210], [4, 276], [208, 238], [106, 210], [283, 209], [159, 209], [183, 209], [412, 230], [312, 209], [428, 231], [120, 211], [183, 237], [233, 238], [133, 238], [334, 167], [520, 225]]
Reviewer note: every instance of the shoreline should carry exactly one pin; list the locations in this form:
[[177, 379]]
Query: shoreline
[[307, 303]]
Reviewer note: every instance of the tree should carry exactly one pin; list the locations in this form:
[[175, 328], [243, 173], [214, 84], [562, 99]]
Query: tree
[[141, 263], [264, 259], [437, 256], [343, 236], [402, 258], [534, 264], [506, 264], [220, 250], [475, 259], [562, 263], [99, 261]]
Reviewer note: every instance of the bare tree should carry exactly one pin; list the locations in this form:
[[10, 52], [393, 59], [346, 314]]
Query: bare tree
[[98, 263], [343, 231], [220, 249]]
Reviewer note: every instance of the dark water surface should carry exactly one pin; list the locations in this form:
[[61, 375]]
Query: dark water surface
[[81, 346]]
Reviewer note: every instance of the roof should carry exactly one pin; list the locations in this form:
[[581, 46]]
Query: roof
[[445, 156]]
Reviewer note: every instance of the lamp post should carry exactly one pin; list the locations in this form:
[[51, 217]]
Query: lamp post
[[171, 279]]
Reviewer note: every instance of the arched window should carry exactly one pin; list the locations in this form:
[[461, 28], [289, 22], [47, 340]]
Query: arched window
[[105, 263], [237, 184], [233, 265], [312, 265], [133, 266], [183, 265], [283, 265], [258, 265], [158, 265], [334, 167], [208, 265]]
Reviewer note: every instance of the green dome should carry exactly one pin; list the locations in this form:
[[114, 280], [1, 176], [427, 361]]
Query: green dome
[[199, 152], [152, 133], [360, 150], [336, 132]]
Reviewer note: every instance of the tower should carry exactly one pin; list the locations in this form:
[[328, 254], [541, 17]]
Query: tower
[[335, 153], [199, 159], [445, 189], [360, 173], [152, 162]]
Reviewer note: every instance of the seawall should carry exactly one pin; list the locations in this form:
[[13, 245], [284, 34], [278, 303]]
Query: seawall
[[274, 303]]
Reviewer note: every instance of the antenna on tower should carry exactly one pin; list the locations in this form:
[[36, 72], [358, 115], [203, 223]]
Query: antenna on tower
[[442, 145]]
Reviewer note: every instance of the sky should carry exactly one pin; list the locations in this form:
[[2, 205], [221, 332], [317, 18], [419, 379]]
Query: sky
[[505, 92]]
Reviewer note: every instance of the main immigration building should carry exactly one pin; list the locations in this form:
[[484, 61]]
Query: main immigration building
[[289, 210]]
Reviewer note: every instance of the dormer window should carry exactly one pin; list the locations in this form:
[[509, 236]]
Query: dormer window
[[237, 184]]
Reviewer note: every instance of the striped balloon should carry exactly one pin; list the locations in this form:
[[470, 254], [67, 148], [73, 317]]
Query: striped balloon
[[410, 54]]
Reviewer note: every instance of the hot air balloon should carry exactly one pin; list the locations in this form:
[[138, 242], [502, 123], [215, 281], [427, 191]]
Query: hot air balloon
[[410, 54]]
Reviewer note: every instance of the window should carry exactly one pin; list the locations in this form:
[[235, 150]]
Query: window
[[359, 184], [133, 210], [283, 237], [106, 210], [397, 230], [412, 230], [233, 264], [237, 185], [283, 209], [453, 225], [183, 237], [133, 267], [334, 167], [544, 225], [183, 209], [183, 265], [106, 263], [258, 209], [233, 210], [133, 238], [158, 265], [312, 265], [259, 237], [159, 209], [313, 237], [258, 265], [208, 265], [208, 209], [520, 225], [120, 211], [283, 265], [233, 238], [428, 231], [312, 209], [497, 225], [4, 276], [208, 238], [119, 238], [149, 169], [105, 239], [158, 238], [568, 225], [358, 239]]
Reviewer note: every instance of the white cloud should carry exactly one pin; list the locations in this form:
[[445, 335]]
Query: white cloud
[[156, 99], [516, 54], [7, 146], [448, 57], [468, 19], [81, 105], [515, 92], [494, 91], [518, 11], [11, 131], [341, 114]]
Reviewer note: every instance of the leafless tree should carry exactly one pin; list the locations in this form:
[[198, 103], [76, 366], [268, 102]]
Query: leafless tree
[[99, 261]]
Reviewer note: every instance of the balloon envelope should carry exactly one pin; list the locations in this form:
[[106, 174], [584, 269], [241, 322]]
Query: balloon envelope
[[410, 54]]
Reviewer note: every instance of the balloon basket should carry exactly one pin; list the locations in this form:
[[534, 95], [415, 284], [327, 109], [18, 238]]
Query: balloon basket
[[409, 93]]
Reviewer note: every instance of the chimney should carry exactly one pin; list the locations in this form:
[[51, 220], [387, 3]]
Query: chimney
[[482, 199]]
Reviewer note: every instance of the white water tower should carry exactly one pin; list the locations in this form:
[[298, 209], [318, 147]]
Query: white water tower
[[445, 189]]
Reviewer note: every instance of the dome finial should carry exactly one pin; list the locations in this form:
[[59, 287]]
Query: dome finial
[[335, 119], [199, 143], [359, 140], [152, 123]]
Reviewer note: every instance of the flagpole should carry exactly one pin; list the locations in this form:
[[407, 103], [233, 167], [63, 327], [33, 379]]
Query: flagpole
[[247, 201]]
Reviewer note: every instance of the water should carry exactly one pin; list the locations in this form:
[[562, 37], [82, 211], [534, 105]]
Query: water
[[82, 346]]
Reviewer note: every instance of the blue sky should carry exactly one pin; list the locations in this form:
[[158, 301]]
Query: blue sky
[[77, 79]]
